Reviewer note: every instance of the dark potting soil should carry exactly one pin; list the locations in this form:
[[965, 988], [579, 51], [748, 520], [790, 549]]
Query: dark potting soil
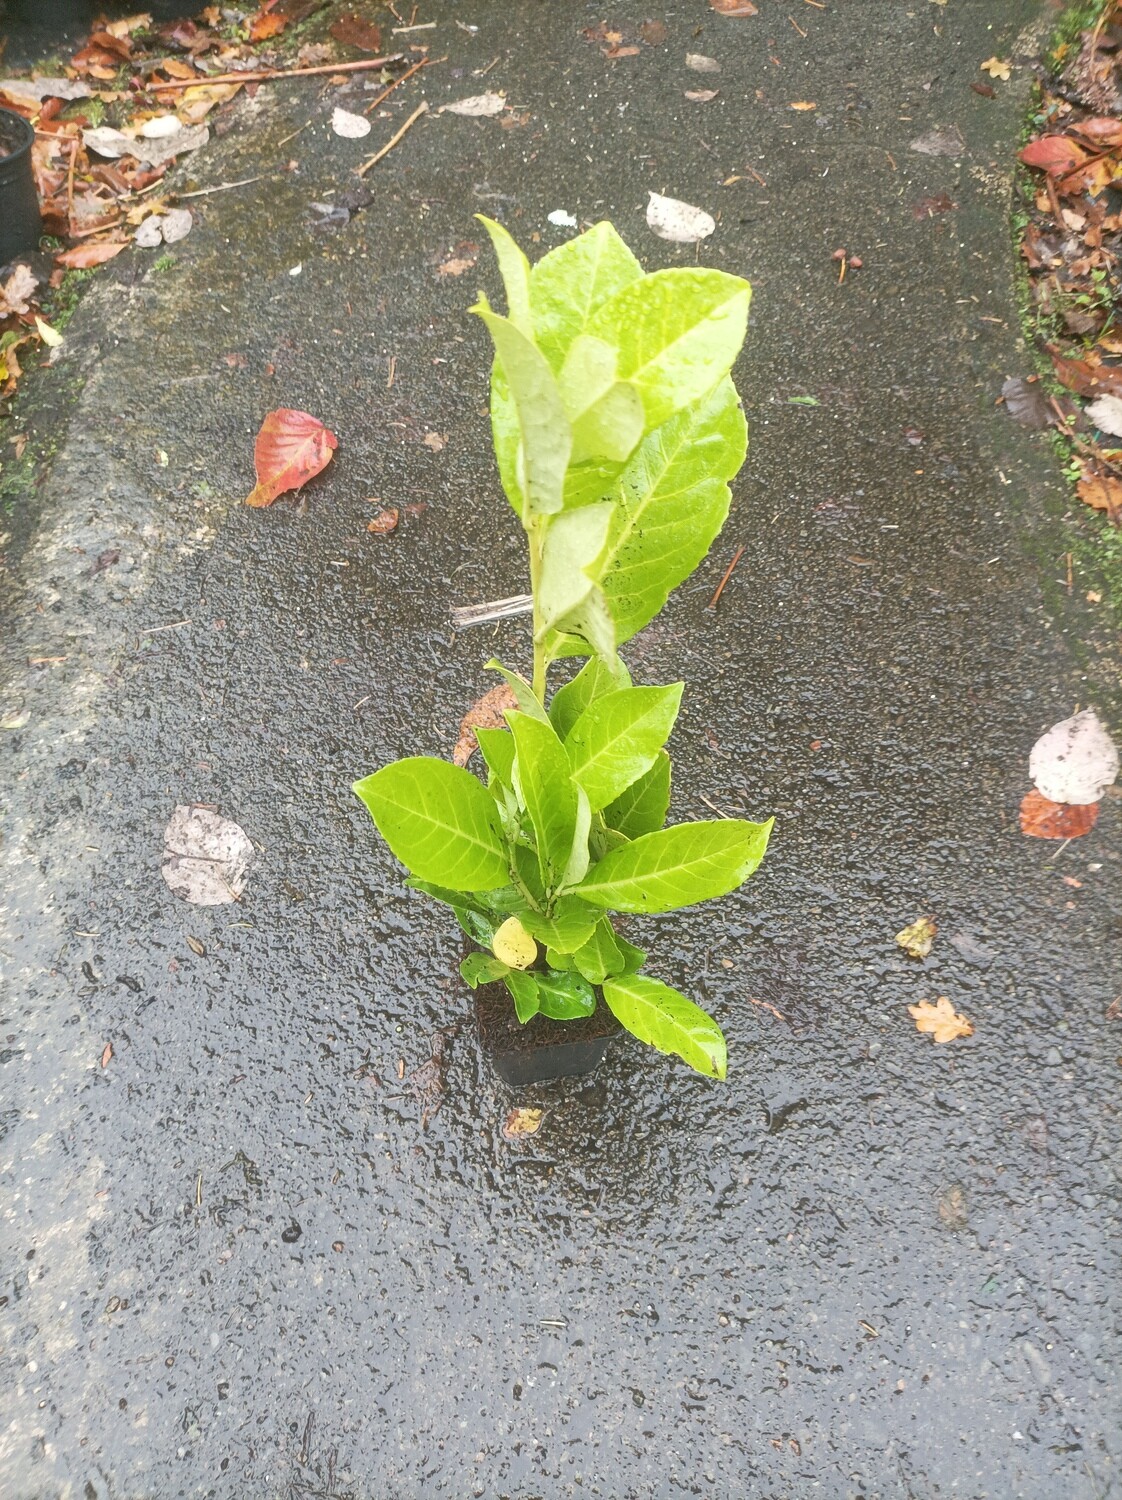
[[541, 1048]]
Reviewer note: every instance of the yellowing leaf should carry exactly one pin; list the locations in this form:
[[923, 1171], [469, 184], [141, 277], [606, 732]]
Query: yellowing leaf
[[513, 945], [803, 104], [996, 67], [522, 1122], [916, 939], [941, 1020], [50, 336]]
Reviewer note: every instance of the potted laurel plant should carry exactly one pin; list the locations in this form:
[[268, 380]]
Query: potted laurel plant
[[616, 429]]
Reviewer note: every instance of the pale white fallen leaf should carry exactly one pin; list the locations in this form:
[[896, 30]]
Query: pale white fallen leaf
[[160, 126], [701, 96], [681, 222], [32, 90], [478, 105], [1106, 413], [18, 290], [15, 718], [1074, 761], [701, 64], [296, 269], [105, 141], [150, 234], [206, 857], [50, 336], [350, 127], [563, 219], [177, 225]]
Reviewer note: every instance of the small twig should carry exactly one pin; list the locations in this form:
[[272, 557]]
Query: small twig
[[796, 25], [392, 371], [719, 590], [294, 134], [753, 173], [763, 1005], [393, 140], [84, 234], [426, 62], [712, 806], [223, 187], [174, 625], [269, 75], [1061, 849], [482, 72], [1069, 570], [420, 26], [70, 183]]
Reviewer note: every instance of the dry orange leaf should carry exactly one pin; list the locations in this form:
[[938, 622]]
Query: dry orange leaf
[[385, 521], [1043, 819], [292, 447], [1102, 493], [734, 7], [484, 713], [84, 256], [803, 104], [264, 26], [941, 1020], [106, 1054]]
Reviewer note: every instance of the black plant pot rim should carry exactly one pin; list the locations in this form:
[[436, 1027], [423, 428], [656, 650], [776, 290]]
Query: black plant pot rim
[[541, 1050], [24, 130]]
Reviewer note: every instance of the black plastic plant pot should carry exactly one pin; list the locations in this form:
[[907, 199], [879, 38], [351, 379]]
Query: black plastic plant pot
[[20, 224], [54, 14], [542, 1050]]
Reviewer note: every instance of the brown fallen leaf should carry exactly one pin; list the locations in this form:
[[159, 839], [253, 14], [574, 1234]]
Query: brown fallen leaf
[[385, 521], [355, 31], [1043, 819], [1086, 377], [522, 1122], [932, 204], [1026, 401], [733, 7], [653, 33], [941, 1020], [435, 440], [106, 1054], [701, 96], [196, 947], [1101, 492], [997, 67], [802, 104], [614, 52], [484, 713], [918, 938], [292, 447]]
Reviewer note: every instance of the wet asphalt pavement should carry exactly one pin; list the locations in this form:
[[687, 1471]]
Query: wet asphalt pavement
[[237, 1261]]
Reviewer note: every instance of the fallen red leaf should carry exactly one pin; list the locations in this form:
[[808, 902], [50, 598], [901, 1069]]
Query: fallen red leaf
[[1054, 154], [81, 257], [292, 447], [1044, 819]]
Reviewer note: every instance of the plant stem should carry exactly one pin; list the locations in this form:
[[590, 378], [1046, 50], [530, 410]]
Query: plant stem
[[534, 539]]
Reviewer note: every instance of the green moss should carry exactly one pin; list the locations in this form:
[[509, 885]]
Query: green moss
[[62, 303], [1065, 39], [163, 263]]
